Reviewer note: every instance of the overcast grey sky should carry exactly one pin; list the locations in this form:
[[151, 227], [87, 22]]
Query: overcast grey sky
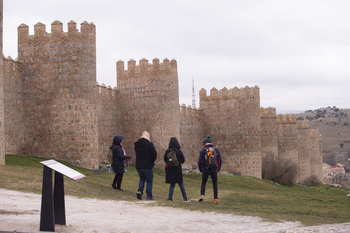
[[296, 51]]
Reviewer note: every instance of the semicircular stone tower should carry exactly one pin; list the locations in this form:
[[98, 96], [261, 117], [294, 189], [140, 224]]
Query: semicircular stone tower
[[232, 119], [149, 100], [59, 92]]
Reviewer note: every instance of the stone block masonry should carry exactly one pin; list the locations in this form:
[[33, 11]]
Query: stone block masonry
[[13, 90], [191, 133], [232, 118], [51, 106], [304, 150], [315, 141], [269, 138], [287, 137], [59, 92], [2, 114], [149, 98], [108, 118]]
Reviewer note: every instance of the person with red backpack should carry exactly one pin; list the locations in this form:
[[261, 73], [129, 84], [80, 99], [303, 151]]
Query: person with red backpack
[[209, 164]]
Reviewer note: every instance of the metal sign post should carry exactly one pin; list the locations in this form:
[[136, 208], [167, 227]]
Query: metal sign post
[[47, 221], [52, 203]]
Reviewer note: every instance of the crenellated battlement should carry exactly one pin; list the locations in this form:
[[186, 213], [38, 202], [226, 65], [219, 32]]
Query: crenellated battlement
[[10, 59], [269, 112], [188, 110], [286, 119], [303, 124], [106, 91], [234, 93], [145, 67], [56, 29], [11, 67]]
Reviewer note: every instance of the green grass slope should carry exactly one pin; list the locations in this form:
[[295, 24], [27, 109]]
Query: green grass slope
[[238, 195]]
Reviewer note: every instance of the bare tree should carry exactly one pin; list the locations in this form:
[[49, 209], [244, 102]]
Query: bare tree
[[279, 169]]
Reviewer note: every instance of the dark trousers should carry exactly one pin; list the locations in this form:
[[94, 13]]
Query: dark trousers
[[118, 180], [146, 175], [182, 188], [214, 179]]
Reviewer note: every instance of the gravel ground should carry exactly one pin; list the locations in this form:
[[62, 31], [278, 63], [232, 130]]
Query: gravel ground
[[92, 215]]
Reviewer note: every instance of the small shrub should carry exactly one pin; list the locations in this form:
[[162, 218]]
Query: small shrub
[[279, 169], [312, 181]]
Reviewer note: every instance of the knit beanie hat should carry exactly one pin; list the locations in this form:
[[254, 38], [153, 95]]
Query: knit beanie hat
[[146, 135], [207, 140]]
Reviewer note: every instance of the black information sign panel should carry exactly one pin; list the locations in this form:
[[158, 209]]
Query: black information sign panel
[[52, 203]]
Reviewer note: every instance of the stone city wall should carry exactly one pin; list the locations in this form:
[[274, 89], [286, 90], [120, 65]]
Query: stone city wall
[[54, 108], [192, 134], [2, 116], [13, 91], [108, 119]]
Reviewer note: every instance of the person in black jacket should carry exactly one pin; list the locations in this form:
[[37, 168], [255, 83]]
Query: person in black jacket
[[118, 157], [209, 171], [173, 175], [146, 154]]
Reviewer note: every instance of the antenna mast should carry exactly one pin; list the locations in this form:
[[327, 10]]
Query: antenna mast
[[193, 95]]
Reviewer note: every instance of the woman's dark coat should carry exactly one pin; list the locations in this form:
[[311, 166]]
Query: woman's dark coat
[[118, 155], [174, 174]]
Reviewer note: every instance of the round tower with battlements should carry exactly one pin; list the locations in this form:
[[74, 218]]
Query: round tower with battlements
[[303, 150], [59, 92], [288, 137], [316, 160], [149, 101], [232, 119], [268, 124]]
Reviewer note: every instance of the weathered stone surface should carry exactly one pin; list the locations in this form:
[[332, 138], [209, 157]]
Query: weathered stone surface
[[2, 116]]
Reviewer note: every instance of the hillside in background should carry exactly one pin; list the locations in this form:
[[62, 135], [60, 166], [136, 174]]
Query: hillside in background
[[334, 125]]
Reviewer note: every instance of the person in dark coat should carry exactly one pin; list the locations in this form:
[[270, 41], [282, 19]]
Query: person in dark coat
[[173, 175], [206, 172], [118, 157], [146, 154]]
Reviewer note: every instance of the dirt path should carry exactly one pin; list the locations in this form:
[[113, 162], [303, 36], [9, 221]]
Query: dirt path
[[92, 215]]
